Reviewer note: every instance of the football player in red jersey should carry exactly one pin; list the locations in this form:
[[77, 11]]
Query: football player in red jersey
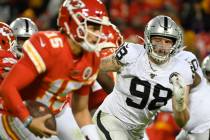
[[111, 41], [97, 94], [10, 127], [57, 63]]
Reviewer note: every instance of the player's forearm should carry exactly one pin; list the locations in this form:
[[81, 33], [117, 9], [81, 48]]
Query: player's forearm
[[106, 81], [180, 99], [83, 117], [181, 111], [109, 64], [14, 102], [181, 117], [84, 121]]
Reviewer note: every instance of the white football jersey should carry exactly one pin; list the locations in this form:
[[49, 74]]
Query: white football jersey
[[199, 98], [192, 59], [141, 86]]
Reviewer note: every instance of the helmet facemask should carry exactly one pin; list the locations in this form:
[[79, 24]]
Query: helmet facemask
[[160, 53], [157, 27], [17, 47], [90, 27]]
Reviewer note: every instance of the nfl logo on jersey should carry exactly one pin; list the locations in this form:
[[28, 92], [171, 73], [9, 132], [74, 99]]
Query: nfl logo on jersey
[[152, 75]]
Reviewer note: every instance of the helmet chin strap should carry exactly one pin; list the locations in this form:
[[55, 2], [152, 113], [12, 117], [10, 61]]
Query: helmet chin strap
[[158, 59], [89, 47]]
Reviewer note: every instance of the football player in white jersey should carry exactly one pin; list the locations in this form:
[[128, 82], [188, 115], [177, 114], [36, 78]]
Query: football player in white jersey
[[198, 125], [148, 76], [197, 128]]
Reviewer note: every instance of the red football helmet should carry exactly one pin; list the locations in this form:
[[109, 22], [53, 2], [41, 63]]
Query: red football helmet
[[7, 38], [113, 40], [74, 16]]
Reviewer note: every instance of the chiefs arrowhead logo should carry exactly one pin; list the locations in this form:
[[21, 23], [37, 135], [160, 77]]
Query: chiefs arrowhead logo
[[87, 73]]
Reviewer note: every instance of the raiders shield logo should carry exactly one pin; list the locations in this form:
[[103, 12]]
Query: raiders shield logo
[[87, 73]]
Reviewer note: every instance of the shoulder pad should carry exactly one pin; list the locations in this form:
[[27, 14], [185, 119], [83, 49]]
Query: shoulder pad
[[192, 59], [129, 52]]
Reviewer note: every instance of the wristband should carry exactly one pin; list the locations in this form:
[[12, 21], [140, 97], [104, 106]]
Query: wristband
[[28, 121], [90, 131]]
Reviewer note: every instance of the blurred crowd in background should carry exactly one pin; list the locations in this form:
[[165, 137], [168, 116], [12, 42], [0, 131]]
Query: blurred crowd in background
[[130, 16]]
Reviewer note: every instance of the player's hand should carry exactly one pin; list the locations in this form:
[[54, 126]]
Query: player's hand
[[38, 128], [179, 88]]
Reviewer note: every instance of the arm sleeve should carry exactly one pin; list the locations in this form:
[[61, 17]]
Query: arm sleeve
[[34, 56], [21, 75], [38, 54]]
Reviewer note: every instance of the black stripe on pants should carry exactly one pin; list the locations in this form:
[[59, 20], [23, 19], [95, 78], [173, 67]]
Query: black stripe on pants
[[209, 134], [101, 127]]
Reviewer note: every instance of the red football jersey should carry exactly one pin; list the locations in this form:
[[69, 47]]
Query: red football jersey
[[48, 71]]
